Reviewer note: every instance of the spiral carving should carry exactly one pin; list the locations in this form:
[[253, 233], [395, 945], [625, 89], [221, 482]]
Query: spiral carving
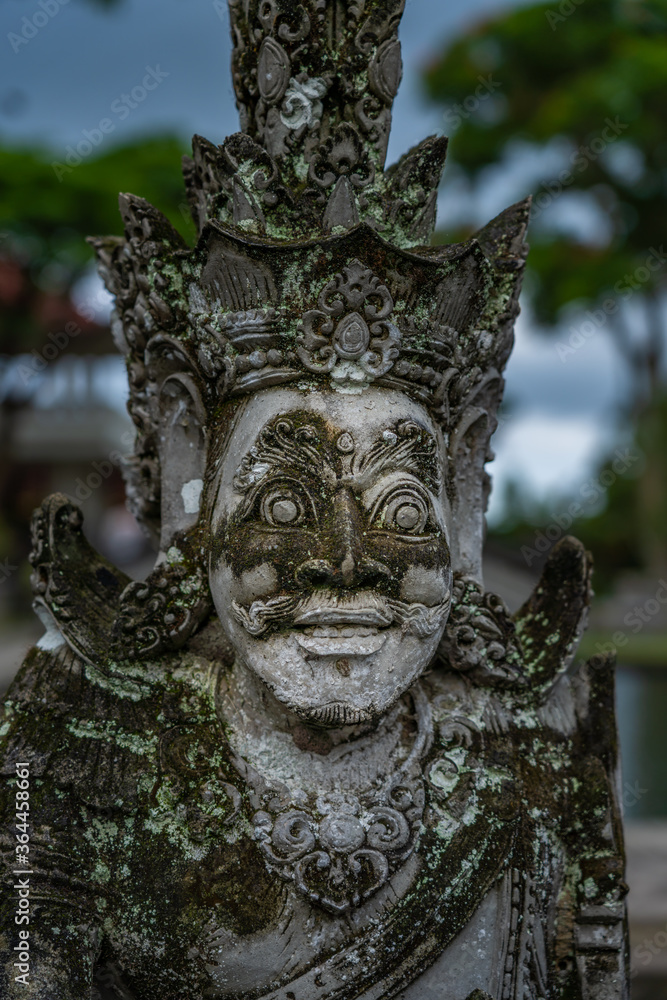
[[340, 860], [389, 831], [375, 861], [292, 835]]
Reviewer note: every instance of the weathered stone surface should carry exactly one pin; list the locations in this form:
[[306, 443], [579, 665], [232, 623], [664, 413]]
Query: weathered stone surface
[[310, 757]]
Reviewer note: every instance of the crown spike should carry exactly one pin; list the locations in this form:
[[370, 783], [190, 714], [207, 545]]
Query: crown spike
[[303, 69], [315, 84]]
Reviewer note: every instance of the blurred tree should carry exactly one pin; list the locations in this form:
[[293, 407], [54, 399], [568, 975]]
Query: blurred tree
[[45, 215], [582, 85], [51, 207], [46, 212], [532, 527], [585, 82]]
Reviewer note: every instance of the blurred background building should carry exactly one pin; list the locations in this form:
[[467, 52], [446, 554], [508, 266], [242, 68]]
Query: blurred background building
[[566, 100]]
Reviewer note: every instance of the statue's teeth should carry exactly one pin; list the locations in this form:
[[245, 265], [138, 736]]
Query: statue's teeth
[[336, 631]]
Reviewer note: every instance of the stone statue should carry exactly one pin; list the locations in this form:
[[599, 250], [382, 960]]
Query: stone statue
[[310, 758]]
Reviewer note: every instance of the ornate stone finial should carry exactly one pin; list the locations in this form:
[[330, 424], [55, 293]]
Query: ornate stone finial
[[315, 83], [305, 73]]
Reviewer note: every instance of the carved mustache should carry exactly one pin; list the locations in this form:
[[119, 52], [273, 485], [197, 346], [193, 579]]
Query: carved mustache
[[329, 608]]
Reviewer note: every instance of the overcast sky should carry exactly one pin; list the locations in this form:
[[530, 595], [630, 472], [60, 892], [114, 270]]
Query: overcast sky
[[67, 76]]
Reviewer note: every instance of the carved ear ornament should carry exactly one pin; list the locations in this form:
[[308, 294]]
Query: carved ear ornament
[[96, 608], [531, 649], [480, 637], [159, 614]]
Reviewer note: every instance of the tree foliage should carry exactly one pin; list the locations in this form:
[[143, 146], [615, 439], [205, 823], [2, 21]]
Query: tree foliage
[[586, 81], [584, 84], [46, 219], [620, 513]]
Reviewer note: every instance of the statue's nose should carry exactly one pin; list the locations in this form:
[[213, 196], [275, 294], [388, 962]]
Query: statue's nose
[[345, 563]]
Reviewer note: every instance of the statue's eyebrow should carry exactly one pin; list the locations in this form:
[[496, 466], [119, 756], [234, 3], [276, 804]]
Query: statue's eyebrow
[[282, 446], [396, 450], [302, 449]]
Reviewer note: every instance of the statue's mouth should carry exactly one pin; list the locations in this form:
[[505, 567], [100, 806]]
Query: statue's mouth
[[373, 617], [341, 639], [326, 609]]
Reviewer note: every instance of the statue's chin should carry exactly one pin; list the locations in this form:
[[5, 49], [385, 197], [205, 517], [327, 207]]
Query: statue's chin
[[334, 677], [338, 705], [341, 705]]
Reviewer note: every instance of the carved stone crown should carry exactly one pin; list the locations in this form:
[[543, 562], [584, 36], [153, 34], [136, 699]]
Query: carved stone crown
[[311, 264]]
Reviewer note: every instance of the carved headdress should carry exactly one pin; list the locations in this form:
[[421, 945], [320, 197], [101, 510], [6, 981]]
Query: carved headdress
[[313, 263]]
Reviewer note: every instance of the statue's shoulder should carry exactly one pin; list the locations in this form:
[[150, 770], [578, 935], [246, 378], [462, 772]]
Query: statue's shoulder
[[62, 722], [48, 685], [104, 674], [106, 732]]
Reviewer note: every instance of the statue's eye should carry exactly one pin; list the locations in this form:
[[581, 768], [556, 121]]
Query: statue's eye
[[282, 507], [405, 510], [408, 516]]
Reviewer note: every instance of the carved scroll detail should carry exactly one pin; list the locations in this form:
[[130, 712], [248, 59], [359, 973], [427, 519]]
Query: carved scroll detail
[[350, 336]]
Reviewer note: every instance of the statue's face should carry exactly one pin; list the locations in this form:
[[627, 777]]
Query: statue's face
[[330, 567]]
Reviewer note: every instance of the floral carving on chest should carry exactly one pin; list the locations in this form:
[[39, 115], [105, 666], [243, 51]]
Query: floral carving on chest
[[344, 850], [339, 847]]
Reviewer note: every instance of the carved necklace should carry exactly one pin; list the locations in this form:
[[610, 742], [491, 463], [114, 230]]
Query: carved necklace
[[337, 847]]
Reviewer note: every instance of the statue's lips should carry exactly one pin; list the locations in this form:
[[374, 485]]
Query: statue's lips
[[344, 616], [342, 631], [341, 639]]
